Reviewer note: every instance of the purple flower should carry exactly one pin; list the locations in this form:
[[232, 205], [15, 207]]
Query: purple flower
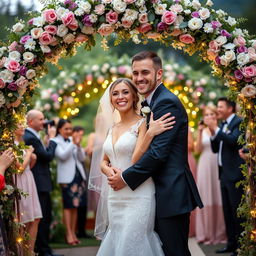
[[68, 2], [200, 89], [23, 70], [247, 79], [72, 6], [86, 20], [55, 97], [162, 26], [195, 14], [225, 33], [30, 22], [12, 86], [242, 48], [217, 60], [216, 24], [24, 39], [238, 74]]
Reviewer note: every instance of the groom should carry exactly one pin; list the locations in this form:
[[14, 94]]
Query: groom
[[165, 161]]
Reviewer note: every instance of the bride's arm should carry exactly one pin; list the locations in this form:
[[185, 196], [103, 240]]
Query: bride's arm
[[105, 167], [145, 136]]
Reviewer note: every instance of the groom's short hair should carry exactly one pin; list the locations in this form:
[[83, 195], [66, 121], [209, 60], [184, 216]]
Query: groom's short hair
[[148, 55]]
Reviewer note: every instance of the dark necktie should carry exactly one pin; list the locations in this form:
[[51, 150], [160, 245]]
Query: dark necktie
[[67, 140]]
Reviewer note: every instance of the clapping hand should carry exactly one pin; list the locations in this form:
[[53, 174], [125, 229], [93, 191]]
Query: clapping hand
[[116, 181], [6, 158], [211, 123]]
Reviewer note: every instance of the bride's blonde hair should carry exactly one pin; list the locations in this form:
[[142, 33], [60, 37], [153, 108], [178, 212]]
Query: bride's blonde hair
[[131, 85]]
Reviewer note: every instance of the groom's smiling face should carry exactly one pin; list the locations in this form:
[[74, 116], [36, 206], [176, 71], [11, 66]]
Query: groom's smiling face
[[146, 76]]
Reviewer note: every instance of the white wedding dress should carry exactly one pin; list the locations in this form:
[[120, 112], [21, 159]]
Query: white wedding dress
[[131, 213]]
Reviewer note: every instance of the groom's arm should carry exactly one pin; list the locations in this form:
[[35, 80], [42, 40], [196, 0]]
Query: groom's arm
[[159, 149]]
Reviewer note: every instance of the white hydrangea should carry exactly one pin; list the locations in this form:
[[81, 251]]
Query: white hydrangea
[[93, 18], [238, 32], [195, 23], [187, 12], [221, 13], [14, 55], [231, 21], [208, 28], [79, 12]]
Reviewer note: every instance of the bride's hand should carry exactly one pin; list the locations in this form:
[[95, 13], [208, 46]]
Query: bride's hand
[[160, 125], [107, 170]]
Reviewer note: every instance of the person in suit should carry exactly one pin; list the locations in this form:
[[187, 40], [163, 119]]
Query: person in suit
[[70, 175], [42, 175], [166, 160], [224, 141]]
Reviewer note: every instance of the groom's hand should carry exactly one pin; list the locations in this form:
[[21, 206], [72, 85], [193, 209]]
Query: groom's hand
[[116, 181]]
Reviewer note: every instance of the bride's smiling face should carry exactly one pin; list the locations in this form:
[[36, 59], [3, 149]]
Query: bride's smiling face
[[121, 97]]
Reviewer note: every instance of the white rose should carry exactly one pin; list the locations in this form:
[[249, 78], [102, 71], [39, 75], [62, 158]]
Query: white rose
[[7, 76], [208, 28], [93, 18], [229, 46], [119, 6], [195, 23], [242, 59], [187, 12], [204, 13], [113, 70], [60, 12], [88, 30], [160, 9], [209, 3], [30, 73], [176, 8], [238, 32], [227, 58], [220, 40], [2, 99], [212, 95], [143, 9], [145, 111], [196, 4], [131, 14], [18, 27], [249, 91], [36, 32], [140, 3], [79, 12], [28, 56], [30, 44], [15, 55], [45, 48], [39, 21], [62, 30], [69, 38], [231, 21], [187, 2], [86, 6]]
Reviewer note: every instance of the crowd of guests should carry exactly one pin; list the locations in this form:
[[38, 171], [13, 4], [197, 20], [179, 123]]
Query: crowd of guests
[[216, 172]]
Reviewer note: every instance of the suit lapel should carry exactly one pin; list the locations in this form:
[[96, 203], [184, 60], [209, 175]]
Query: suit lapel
[[158, 90]]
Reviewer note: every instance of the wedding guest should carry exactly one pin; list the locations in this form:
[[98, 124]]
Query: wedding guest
[[192, 165], [224, 141], [29, 206], [6, 159], [42, 175], [210, 227], [70, 175], [81, 210]]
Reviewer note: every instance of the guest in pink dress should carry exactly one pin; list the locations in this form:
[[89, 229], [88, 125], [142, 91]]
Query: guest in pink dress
[[29, 206], [192, 165], [210, 225]]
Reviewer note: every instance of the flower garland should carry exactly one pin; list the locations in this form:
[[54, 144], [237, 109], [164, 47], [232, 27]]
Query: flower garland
[[184, 24]]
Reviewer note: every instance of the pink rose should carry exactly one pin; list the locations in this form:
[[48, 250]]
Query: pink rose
[[51, 29], [22, 82], [214, 46], [187, 39], [2, 61], [112, 17], [239, 41], [129, 1], [252, 53], [73, 25], [99, 9], [45, 38], [249, 71], [105, 29], [127, 23], [68, 18], [169, 17], [13, 46], [144, 28], [13, 65], [81, 38], [143, 17], [2, 84], [50, 15]]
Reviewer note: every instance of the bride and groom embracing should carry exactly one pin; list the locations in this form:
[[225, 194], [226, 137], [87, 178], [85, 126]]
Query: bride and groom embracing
[[147, 185]]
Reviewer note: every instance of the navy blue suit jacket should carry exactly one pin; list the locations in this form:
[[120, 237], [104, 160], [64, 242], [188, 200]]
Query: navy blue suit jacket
[[41, 169], [231, 160], [166, 161]]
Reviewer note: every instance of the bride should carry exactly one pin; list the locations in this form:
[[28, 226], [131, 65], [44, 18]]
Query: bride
[[127, 215]]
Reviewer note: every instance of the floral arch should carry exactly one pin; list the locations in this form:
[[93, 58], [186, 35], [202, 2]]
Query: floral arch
[[184, 24]]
